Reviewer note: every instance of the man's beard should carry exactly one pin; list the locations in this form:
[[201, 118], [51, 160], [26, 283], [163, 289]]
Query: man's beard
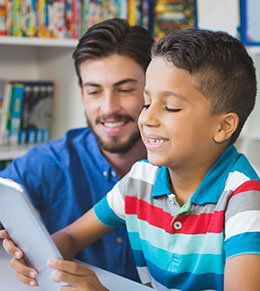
[[114, 145]]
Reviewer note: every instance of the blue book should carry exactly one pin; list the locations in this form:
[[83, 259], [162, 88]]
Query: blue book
[[16, 112]]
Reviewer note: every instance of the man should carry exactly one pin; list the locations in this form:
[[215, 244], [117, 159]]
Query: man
[[66, 177]]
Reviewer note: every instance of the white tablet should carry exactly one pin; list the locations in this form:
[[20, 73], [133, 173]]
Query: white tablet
[[26, 229]]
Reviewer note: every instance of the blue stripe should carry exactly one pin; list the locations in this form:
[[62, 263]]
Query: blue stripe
[[211, 243], [186, 281], [245, 243], [173, 262], [106, 215]]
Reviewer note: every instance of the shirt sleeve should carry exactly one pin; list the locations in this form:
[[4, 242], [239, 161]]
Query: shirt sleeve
[[111, 209], [242, 220]]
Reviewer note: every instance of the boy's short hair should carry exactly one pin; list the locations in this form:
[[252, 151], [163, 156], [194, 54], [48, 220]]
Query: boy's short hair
[[114, 36], [222, 69]]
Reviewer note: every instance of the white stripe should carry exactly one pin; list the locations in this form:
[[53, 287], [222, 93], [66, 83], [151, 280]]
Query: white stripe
[[234, 180], [116, 202], [247, 221], [144, 171]]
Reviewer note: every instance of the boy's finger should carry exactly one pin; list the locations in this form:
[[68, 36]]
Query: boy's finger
[[3, 233], [12, 249], [19, 266], [69, 266], [26, 280]]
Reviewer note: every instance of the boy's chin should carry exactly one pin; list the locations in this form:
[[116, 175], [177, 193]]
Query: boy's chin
[[156, 162]]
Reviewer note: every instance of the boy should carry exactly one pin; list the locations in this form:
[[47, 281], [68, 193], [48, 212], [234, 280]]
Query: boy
[[193, 211]]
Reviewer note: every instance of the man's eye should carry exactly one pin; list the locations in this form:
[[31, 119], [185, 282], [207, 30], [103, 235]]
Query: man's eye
[[92, 92], [125, 90], [172, 109]]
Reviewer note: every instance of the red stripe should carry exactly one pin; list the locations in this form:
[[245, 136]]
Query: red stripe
[[191, 224], [251, 185]]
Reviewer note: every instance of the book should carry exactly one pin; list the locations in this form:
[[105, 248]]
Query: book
[[3, 13], [172, 15], [40, 108], [28, 91], [5, 112], [15, 112]]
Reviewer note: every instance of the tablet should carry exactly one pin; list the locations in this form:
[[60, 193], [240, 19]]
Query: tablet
[[26, 229]]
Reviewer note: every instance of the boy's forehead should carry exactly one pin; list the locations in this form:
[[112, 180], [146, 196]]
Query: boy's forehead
[[164, 79]]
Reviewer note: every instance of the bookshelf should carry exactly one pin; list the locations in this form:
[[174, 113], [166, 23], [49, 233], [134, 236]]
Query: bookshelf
[[249, 140], [13, 151], [50, 59], [44, 59]]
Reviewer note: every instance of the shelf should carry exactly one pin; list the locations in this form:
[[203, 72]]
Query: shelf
[[13, 151], [37, 41], [254, 50]]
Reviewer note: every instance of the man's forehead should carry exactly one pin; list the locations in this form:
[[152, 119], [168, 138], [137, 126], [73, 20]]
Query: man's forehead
[[117, 83]]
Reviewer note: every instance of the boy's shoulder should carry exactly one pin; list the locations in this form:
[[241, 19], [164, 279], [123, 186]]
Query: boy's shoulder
[[243, 176], [143, 170]]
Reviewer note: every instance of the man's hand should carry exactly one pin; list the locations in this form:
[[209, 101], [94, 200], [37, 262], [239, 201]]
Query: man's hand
[[22, 271], [79, 277]]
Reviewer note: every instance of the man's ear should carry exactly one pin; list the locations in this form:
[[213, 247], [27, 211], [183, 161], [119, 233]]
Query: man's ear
[[228, 125]]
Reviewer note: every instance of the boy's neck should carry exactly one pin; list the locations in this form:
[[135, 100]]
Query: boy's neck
[[185, 181]]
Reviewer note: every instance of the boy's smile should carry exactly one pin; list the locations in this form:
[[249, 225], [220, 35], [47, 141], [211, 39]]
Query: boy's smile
[[176, 124]]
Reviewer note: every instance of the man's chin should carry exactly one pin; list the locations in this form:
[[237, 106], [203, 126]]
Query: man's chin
[[116, 146]]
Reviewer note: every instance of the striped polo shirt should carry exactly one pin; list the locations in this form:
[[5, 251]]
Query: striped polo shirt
[[185, 248]]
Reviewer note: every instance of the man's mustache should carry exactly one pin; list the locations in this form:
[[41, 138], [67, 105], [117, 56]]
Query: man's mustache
[[114, 117]]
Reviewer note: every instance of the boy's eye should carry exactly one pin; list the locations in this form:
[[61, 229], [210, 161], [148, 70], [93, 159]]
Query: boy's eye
[[172, 109]]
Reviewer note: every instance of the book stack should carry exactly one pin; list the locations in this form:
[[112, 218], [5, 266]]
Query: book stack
[[25, 111], [68, 18]]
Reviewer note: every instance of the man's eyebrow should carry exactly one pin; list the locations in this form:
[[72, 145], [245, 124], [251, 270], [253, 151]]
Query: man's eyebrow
[[114, 85], [125, 81], [91, 84]]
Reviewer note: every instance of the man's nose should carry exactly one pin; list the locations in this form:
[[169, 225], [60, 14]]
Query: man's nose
[[110, 104]]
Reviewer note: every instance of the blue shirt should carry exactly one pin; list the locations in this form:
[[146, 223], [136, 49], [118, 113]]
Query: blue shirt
[[64, 179]]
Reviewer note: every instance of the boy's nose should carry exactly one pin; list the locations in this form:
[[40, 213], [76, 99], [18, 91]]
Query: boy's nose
[[150, 117]]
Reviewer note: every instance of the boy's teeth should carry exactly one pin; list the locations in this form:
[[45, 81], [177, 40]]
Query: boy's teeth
[[113, 124], [155, 141]]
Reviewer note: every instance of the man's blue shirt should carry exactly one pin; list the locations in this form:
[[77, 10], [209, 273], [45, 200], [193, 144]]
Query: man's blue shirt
[[64, 179]]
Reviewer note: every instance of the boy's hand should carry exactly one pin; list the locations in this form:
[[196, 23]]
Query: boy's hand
[[79, 277], [22, 271]]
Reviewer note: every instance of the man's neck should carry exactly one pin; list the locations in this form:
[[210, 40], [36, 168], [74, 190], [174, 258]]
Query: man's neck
[[123, 162]]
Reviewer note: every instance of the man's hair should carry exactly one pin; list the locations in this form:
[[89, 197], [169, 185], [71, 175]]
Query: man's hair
[[114, 36], [222, 69]]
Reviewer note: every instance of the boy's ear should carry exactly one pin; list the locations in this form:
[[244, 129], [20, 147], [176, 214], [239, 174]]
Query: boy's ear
[[228, 125]]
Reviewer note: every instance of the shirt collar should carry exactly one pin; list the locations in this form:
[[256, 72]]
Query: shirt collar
[[213, 183], [107, 170], [161, 185]]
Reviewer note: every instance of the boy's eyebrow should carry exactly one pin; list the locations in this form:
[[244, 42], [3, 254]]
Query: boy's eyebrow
[[168, 94], [121, 82]]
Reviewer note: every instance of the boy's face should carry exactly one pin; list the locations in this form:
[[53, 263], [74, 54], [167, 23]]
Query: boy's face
[[112, 94], [176, 125]]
